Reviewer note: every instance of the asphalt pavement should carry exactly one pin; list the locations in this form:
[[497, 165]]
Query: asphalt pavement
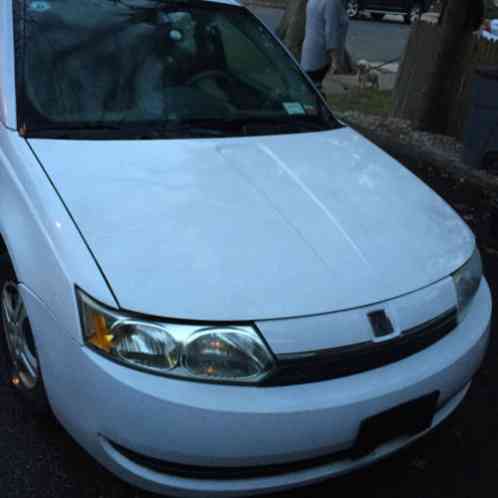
[[367, 39]]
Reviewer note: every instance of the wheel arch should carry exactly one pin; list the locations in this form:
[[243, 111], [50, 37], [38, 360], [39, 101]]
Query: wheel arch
[[6, 251], [3, 247], [47, 252]]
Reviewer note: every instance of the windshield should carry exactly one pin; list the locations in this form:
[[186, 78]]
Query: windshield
[[156, 68]]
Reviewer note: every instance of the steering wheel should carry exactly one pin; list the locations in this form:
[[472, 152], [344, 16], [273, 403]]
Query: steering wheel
[[217, 74], [209, 74]]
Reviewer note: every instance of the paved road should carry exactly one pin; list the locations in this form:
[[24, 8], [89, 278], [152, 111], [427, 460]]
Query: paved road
[[370, 40]]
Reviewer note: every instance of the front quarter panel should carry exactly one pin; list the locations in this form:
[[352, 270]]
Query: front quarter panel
[[48, 253]]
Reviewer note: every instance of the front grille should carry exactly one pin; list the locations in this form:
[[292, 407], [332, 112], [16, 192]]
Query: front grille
[[350, 360]]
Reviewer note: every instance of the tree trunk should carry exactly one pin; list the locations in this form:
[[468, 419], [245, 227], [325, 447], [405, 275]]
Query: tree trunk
[[292, 27], [459, 17]]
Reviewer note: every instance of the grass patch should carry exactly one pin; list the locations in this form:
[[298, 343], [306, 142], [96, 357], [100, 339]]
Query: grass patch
[[366, 101]]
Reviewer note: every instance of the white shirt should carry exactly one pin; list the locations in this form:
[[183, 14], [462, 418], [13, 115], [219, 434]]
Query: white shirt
[[327, 26]]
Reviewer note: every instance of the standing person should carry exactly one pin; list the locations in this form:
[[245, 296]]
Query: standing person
[[324, 45]]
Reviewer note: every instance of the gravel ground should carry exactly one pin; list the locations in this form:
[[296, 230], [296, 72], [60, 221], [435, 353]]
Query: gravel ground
[[38, 459]]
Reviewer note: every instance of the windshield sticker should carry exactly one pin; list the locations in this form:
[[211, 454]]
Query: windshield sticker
[[293, 108], [310, 109], [39, 6]]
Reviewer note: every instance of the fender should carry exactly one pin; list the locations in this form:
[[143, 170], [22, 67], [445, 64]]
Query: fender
[[47, 251]]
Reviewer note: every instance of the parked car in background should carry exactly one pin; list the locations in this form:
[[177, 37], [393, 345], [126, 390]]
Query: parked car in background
[[411, 10]]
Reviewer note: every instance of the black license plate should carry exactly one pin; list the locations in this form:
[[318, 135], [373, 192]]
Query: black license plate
[[407, 419]]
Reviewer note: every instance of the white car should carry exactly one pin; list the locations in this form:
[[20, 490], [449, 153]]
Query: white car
[[217, 287]]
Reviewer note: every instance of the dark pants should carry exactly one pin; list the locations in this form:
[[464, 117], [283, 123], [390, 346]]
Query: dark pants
[[319, 75]]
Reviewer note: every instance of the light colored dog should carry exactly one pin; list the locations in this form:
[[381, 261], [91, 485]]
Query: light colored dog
[[368, 76]]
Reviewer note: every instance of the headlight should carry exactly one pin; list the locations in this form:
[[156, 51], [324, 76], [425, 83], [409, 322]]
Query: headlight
[[467, 281], [234, 354]]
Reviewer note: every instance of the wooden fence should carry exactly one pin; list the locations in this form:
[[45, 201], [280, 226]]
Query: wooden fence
[[418, 65]]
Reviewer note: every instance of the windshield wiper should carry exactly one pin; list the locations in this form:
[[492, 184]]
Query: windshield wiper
[[292, 124], [69, 129], [186, 129], [124, 131], [248, 125], [236, 125]]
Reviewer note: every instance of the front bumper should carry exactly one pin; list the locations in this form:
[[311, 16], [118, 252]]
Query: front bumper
[[205, 425]]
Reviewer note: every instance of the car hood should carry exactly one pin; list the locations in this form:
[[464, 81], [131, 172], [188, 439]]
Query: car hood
[[254, 228]]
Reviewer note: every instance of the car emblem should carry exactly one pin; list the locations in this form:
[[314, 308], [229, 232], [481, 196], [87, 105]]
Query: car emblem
[[381, 324]]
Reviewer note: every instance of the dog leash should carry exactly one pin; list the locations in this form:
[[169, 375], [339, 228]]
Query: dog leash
[[385, 64]]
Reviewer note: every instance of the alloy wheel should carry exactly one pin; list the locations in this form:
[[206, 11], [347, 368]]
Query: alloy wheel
[[19, 338]]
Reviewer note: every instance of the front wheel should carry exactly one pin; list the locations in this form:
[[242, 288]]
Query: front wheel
[[414, 15], [17, 343], [353, 9]]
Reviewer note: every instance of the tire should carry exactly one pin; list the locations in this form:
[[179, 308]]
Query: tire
[[414, 14], [376, 16], [23, 375], [353, 9]]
